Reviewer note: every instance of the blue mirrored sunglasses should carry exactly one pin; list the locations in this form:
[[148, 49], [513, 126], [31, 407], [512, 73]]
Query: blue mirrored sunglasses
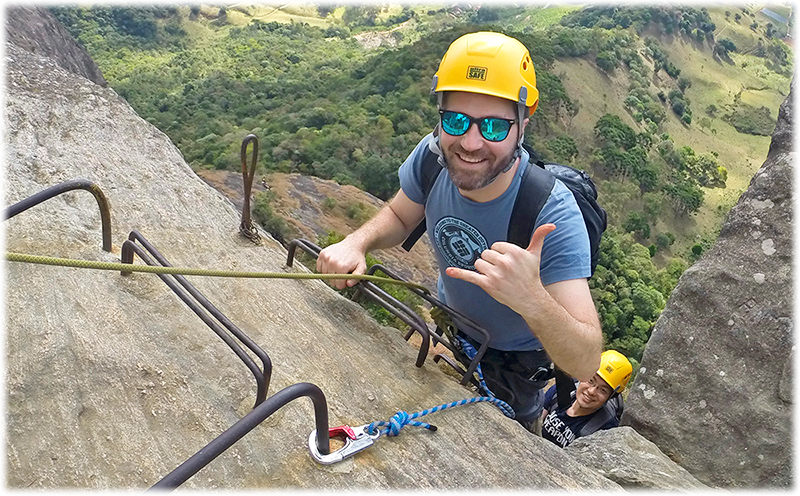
[[492, 128]]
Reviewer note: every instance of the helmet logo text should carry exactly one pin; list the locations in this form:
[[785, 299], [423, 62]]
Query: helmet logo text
[[478, 73]]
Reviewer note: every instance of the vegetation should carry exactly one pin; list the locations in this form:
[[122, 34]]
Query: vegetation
[[630, 292], [324, 105], [263, 214], [750, 120]]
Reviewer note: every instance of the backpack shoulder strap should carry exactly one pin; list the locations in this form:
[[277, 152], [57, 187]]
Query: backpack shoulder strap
[[610, 410], [430, 171], [565, 388], [531, 197]]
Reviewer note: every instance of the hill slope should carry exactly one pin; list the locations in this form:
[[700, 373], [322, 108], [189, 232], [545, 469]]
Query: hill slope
[[177, 73]]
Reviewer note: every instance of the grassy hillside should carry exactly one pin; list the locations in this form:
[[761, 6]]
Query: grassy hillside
[[715, 82], [669, 108]]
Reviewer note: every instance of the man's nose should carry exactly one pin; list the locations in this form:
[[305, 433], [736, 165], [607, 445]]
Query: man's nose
[[472, 139]]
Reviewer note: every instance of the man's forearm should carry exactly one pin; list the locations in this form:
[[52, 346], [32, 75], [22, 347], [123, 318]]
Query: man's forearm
[[384, 230], [573, 345]]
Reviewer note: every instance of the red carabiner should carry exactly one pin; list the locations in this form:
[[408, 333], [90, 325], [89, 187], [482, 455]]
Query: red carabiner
[[342, 429]]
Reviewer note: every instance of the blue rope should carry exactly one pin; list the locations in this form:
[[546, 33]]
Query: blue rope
[[401, 419], [470, 351]]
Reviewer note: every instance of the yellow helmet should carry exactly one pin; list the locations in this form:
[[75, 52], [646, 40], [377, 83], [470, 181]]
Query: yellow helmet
[[615, 369], [491, 64]]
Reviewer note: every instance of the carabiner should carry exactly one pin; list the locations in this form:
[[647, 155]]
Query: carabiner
[[357, 439]]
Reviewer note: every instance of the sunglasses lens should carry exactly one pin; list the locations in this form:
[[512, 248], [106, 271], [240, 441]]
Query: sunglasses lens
[[495, 129], [454, 123]]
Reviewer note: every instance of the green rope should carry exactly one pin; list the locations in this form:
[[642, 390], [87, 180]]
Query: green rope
[[157, 269]]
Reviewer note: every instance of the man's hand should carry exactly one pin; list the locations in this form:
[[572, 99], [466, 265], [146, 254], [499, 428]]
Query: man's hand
[[389, 227], [562, 315], [342, 258], [506, 271]]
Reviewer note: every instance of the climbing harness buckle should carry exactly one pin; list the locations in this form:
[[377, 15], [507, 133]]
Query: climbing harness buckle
[[357, 439]]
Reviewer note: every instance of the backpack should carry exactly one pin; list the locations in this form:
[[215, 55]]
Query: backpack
[[530, 200], [612, 408]]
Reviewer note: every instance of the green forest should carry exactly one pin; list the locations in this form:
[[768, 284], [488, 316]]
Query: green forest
[[323, 104]]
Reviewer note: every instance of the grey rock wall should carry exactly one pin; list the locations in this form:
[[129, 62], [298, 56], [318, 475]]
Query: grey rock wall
[[632, 461], [714, 389], [35, 29]]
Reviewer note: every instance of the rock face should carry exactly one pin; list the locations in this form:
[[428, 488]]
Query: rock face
[[36, 30], [313, 207], [112, 381], [631, 461], [715, 388]]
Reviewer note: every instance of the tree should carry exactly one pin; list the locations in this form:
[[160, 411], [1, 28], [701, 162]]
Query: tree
[[727, 45], [648, 176], [610, 130], [563, 147], [636, 223], [652, 205], [664, 240], [628, 291], [778, 52], [606, 60], [360, 15], [647, 301], [685, 197], [684, 83], [678, 106]]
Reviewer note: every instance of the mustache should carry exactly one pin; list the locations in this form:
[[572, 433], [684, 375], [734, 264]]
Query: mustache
[[474, 155]]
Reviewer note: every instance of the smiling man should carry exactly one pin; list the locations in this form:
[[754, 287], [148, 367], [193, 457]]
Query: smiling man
[[595, 404], [535, 302]]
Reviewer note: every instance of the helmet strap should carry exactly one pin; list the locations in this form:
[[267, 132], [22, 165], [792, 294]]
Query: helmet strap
[[436, 148], [523, 95]]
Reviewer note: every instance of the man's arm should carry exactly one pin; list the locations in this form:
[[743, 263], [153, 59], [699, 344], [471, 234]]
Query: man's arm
[[389, 227], [561, 315], [565, 321]]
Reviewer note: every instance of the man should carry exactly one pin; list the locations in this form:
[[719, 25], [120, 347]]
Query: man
[[535, 302], [596, 404]]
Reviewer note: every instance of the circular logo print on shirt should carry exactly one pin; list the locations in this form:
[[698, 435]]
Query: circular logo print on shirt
[[459, 243]]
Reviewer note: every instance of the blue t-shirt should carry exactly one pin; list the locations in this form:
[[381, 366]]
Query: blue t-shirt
[[561, 429], [460, 229]]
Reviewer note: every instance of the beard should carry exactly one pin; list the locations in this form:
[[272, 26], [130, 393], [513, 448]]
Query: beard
[[471, 179]]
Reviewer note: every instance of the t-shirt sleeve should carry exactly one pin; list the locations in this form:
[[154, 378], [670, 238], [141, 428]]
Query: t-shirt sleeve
[[410, 172], [566, 253]]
